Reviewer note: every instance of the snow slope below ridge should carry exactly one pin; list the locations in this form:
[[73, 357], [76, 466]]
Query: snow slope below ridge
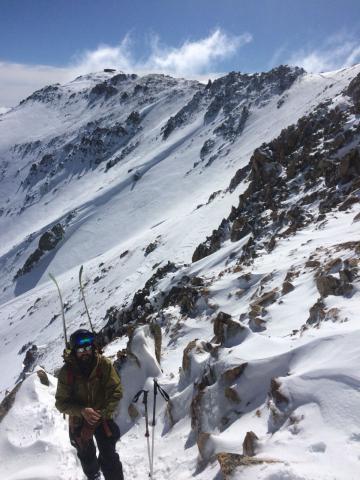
[[308, 438], [165, 194]]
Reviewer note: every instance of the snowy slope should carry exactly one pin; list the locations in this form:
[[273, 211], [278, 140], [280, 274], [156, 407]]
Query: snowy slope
[[297, 387]]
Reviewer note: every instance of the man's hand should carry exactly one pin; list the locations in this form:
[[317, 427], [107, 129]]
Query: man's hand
[[91, 416]]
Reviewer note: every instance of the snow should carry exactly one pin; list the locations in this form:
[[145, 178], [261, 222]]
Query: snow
[[315, 435]]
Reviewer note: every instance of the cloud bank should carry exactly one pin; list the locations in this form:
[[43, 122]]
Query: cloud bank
[[337, 51], [192, 59]]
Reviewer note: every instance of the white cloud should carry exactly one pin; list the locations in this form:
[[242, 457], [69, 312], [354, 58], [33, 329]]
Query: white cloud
[[196, 57], [18, 81], [193, 59], [337, 51]]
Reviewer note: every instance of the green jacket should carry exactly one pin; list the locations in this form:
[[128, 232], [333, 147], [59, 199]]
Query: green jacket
[[101, 391]]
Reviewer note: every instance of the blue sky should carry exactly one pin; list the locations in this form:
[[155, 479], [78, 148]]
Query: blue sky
[[44, 41]]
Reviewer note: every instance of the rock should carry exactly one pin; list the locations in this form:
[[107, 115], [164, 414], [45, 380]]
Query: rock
[[44, 379], [257, 324], [330, 285], [185, 297], [353, 91], [206, 449], [312, 264], [186, 361], [229, 462], [8, 401], [287, 287], [30, 358], [212, 243], [232, 395], [133, 411], [249, 444], [47, 242], [265, 299], [196, 411], [239, 176], [357, 218], [230, 375], [349, 202], [317, 313], [51, 238], [150, 248], [103, 89], [275, 386], [226, 329], [155, 330]]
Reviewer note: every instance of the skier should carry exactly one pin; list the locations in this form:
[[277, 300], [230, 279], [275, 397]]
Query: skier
[[89, 390]]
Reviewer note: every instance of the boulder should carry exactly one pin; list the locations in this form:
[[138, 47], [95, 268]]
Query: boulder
[[249, 444], [330, 285], [287, 287], [44, 379], [226, 329]]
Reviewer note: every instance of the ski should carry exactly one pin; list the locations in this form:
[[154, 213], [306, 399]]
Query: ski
[[62, 308], [83, 296]]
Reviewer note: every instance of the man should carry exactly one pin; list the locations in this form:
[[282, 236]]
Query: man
[[89, 390]]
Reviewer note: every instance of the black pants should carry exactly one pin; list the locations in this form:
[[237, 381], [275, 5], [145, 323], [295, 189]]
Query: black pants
[[108, 460]]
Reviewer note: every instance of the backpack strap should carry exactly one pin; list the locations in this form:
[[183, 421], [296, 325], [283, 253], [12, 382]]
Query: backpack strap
[[70, 376]]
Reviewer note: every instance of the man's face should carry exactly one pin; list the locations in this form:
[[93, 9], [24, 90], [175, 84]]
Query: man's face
[[85, 354]]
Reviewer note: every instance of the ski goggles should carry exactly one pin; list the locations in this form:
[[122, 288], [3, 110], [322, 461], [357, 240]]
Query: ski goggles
[[88, 348], [83, 341]]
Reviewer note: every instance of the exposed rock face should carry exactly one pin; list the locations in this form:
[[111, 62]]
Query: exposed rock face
[[139, 310], [155, 330], [353, 91], [294, 162], [8, 401], [44, 379], [212, 243], [231, 97], [48, 241]]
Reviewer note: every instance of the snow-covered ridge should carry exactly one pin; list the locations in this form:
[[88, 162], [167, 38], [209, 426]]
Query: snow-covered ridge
[[132, 177]]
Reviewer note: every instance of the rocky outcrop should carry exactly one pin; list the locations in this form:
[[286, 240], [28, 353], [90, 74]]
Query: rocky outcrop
[[227, 330], [232, 96], [296, 161], [229, 462], [48, 241], [353, 91], [119, 318], [213, 242]]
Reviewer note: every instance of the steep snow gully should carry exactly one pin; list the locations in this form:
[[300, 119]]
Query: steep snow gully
[[218, 226]]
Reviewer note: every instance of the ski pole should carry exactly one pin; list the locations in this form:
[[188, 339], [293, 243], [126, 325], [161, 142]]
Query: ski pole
[[147, 434], [62, 308], [166, 398], [83, 297]]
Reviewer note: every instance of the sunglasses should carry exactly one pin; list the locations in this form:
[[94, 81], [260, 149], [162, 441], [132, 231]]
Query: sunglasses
[[84, 349]]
